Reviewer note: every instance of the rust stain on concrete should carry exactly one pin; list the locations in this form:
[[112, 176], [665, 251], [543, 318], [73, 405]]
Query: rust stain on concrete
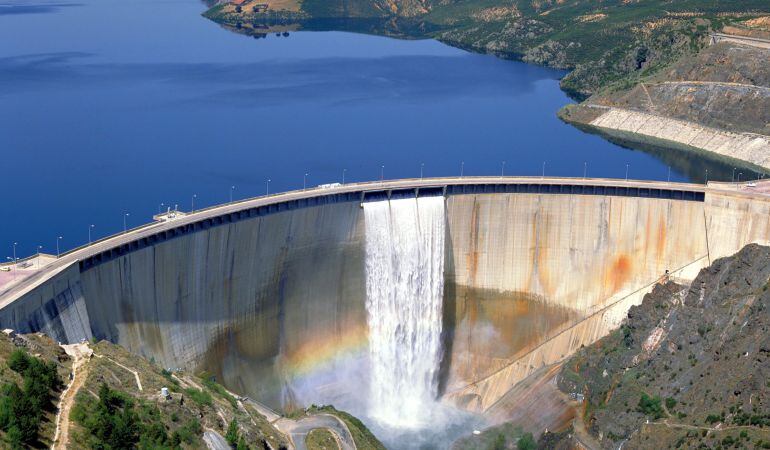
[[620, 272]]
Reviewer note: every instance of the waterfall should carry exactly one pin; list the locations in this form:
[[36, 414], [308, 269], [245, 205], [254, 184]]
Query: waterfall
[[404, 296]]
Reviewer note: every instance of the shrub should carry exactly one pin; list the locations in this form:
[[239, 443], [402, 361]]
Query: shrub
[[650, 406], [526, 442], [202, 398], [232, 434], [670, 402]]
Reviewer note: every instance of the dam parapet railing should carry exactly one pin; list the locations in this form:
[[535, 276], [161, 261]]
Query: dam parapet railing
[[117, 245]]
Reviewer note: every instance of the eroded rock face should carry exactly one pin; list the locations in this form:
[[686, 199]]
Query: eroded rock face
[[708, 364]]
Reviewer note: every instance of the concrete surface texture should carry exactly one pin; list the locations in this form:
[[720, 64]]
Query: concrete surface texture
[[751, 148], [274, 305]]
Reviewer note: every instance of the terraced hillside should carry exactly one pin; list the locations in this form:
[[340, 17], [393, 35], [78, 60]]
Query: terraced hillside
[[716, 101]]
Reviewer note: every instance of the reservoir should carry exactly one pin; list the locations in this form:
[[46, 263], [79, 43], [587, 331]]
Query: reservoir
[[111, 111]]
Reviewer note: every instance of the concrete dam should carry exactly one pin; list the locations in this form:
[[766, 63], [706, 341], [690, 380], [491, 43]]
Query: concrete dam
[[388, 297]]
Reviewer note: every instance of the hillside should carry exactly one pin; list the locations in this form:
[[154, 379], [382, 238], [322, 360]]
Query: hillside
[[114, 400], [120, 403], [601, 43], [688, 369], [717, 101], [32, 373]]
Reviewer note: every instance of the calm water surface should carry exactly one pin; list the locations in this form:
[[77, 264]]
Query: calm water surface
[[110, 107]]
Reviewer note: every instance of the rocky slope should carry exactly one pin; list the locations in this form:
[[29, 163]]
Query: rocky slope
[[688, 369], [717, 101]]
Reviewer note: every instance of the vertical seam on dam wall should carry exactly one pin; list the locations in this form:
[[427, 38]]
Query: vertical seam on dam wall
[[361, 196], [708, 238]]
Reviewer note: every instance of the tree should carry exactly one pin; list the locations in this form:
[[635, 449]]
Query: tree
[[499, 442], [526, 442]]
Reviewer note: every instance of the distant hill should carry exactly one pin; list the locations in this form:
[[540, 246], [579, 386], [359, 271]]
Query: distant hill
[[601, 43]]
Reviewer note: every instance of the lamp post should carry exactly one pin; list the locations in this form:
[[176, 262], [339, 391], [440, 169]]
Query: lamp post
[[733, 177], [193, 202], [267, 187], [304, 181], [669, 175], [343, 175], [57, 246], [462, 168], [90, 227], [707, 177], [626, 172], [232, 188], [382, 173], [125, 225], [585, 170], [39, 252], [422, 166], [543, 175], [502, 170]]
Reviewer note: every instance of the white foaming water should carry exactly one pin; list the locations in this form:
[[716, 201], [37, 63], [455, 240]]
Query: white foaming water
[[404, 296]]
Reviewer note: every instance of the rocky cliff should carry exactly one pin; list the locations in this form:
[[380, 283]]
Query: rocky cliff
[[688, 368]]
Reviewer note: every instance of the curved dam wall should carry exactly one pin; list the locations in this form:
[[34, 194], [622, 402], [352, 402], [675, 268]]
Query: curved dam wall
[[274, 304]]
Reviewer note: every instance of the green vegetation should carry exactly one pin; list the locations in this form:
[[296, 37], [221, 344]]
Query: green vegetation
[[650, 406], [361, 434], [199, 396], [217, 388], [320, 439], [21, 409], [113, 421], [526, 442]]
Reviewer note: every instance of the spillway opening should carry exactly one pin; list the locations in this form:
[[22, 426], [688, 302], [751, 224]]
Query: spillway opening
[[404, 305], [404, 296]]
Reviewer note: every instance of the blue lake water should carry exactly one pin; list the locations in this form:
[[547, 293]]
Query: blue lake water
[[108, 107]]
